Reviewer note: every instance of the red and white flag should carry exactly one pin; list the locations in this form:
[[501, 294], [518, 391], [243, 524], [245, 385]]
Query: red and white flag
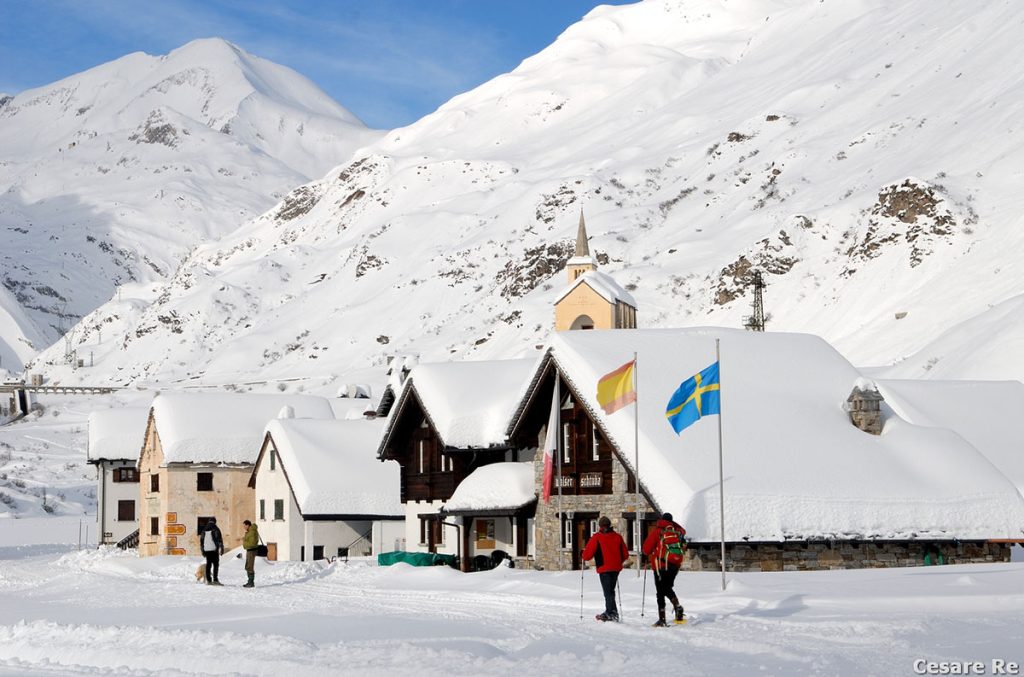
[[551, 442]]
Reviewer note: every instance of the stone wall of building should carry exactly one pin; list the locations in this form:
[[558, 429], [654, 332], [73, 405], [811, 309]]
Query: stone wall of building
[[810, 556], [547, 532]]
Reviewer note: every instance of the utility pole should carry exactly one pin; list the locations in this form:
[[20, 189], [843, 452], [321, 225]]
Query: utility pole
[[756, 321]]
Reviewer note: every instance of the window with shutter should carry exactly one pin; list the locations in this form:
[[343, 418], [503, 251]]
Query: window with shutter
[[126, 511], [154, 526], [278, 509], [263, 509], [154, 483]]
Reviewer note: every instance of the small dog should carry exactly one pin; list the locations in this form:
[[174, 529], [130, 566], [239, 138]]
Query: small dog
[[201, 574]]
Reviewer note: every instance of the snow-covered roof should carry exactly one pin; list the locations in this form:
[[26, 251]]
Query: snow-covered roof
[[986, 413], [603, 284], [469, 403], [581, 261], [351, 407], [333, 469], [497, 486], [795, 467], [117, 434], [223, 427]]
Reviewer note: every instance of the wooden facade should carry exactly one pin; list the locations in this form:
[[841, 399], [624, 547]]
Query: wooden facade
[[430, 473]]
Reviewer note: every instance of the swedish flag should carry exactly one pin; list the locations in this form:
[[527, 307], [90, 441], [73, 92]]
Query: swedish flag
[[697, 396]]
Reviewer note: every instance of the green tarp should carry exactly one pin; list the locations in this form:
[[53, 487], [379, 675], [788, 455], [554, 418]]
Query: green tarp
[[417, 559]]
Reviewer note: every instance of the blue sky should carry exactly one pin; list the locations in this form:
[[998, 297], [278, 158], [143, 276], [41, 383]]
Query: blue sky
[[388, 61]]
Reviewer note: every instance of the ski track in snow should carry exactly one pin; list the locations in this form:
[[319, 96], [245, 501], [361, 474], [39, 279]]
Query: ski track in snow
[[93, 612]]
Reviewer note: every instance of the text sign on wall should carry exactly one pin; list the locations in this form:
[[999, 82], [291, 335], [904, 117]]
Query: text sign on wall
[[171, 517], [175, 529], [591, 479], [564, 481]]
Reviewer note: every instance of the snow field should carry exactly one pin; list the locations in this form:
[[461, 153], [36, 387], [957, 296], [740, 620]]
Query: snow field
[[105, 611]]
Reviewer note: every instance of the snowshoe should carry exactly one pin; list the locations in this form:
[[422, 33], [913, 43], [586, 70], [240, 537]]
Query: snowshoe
[[660, 623]]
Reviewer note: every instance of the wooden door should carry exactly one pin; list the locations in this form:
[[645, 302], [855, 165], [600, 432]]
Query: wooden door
[[581, 534], [272, 552]]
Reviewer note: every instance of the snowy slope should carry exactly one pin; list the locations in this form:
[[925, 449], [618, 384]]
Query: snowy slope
[[112, 175], [865, 156]]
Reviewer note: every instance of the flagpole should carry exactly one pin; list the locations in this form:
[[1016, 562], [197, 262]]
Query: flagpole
[[636, 463], [721, 471], [558, 451]]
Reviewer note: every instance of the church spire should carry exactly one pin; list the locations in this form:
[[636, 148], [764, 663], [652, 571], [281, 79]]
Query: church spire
[[582, 248], [581, 261]]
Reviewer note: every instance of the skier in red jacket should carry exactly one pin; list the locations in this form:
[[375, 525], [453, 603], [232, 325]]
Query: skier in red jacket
[[608, 551], [664, 547]]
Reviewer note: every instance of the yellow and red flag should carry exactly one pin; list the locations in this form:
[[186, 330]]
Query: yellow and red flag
[[616, 390]]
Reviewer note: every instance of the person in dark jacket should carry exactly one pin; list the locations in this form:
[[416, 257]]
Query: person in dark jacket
[[664, 548], [608, 551], [212, 544]]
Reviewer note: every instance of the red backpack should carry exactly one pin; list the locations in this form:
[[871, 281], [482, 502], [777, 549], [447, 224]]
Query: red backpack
[[671, 548]]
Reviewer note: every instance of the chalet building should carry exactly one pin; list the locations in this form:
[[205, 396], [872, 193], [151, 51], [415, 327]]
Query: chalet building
[[449, 421], [321, 493], [115, 441], [593, 300], [197, 460], [813, 480]]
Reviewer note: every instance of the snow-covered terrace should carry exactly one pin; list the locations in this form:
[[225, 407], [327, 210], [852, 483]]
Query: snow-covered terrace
[[495, 489]]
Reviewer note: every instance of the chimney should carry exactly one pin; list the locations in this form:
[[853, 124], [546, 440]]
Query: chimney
[[865, 409]]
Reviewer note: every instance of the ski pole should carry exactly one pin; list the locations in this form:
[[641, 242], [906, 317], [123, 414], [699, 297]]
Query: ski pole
[[582, 566], [643, 595], [620, 597]]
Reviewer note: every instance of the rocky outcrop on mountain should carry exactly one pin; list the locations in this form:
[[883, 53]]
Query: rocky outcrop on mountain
[[869, 190]]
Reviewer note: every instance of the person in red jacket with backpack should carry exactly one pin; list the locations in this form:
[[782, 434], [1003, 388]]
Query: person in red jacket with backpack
[[664, 548], [608, 551]]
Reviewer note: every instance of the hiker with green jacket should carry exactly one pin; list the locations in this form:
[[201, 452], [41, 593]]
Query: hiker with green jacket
[[251, 541]]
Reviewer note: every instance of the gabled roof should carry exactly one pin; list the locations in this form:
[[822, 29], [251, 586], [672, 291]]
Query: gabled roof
[[603, 284], [468, 403], [331, 468], [497, 488], [117, 434], [795, 467], [223, 427]]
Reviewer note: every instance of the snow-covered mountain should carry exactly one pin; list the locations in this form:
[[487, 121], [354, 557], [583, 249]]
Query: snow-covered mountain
[[865, 155], [112, 175]]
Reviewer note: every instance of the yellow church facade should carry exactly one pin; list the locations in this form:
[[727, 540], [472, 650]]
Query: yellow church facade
[[593, 300]]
